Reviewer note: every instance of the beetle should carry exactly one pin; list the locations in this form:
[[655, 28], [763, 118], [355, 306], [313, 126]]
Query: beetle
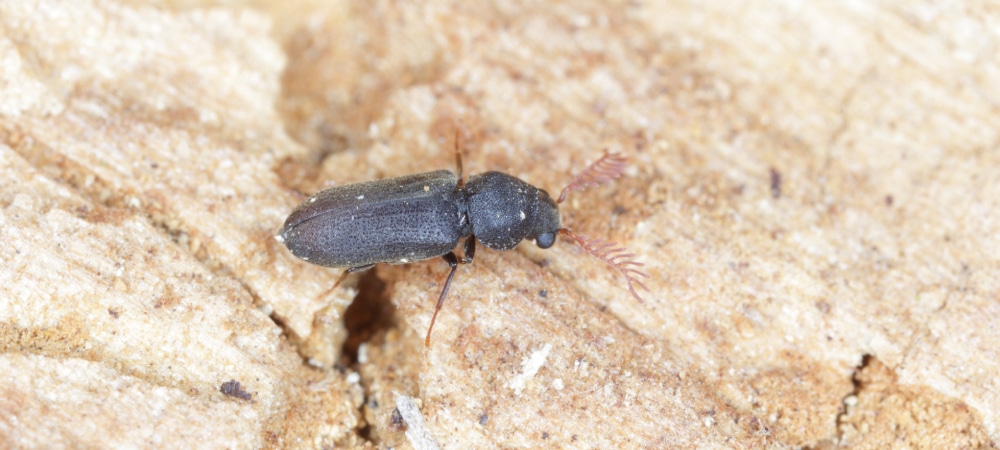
[[422, 216]]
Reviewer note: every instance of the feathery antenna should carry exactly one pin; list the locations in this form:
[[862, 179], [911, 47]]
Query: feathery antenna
[[616, 256], [609, 167]]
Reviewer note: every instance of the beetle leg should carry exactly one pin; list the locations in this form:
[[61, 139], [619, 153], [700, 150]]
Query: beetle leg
[[351, 270], [458, 162], [470, 252], [452, 261], [344, 275]]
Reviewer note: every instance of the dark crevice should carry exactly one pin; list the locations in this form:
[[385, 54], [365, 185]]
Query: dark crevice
[[371, 312], [838, 437], [290, 336], [866, 360]]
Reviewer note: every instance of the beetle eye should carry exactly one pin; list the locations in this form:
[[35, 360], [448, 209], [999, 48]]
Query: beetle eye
[[545, 240]]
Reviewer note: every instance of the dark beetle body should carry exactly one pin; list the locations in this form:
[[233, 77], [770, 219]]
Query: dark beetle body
[[416, 217], [396, 220]]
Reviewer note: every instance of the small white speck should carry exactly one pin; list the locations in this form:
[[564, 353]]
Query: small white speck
[[321, 385], [353, 378], [363, 353], [305, 258], [404, 261], [529, 367], [557, 384], [312, 199], [279, 238], [427, 188], [360, 197], [522, 215]]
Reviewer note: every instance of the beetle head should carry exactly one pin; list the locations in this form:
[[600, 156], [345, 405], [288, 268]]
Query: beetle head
[[546, 221]]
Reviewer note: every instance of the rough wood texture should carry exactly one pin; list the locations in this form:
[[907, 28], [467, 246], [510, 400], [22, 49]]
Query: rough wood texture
[[812, 189]]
